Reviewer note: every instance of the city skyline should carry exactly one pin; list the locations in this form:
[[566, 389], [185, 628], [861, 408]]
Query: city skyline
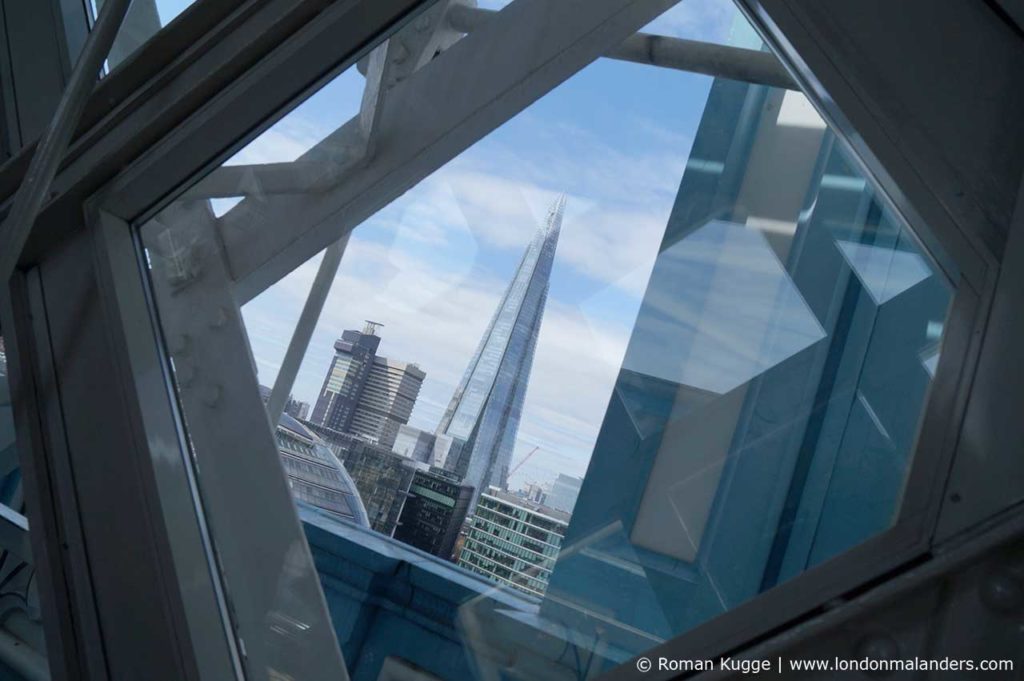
[[433, 264], [480, 424]]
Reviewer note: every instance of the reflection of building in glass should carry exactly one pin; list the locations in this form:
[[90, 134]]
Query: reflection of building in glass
[[513, 541], [563, 492], [770, 395], [365, 394], [482, 418], [434, 512], [314, 473]]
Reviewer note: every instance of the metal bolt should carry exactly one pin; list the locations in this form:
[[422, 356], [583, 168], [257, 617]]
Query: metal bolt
[[178, 344], [399, 52], [219, 319], [185, 374], [212, 395]]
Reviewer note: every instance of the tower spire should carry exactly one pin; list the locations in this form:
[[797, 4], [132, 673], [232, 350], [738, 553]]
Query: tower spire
[[482, 418]]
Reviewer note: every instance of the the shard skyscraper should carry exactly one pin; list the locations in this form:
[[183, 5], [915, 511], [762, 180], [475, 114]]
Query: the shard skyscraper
[[479, 427]]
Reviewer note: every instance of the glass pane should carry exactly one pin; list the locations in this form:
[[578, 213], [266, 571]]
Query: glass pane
[[19, 599], [621, 365], [144, 19]]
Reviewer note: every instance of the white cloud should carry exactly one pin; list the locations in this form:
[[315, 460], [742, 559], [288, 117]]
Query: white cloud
[[706, 20], [430, 268]]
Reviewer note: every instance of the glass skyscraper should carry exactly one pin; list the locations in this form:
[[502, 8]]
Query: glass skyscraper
[[482, 418]]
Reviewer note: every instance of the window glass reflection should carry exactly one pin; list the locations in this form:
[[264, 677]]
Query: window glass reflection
[[766, 410], [617, 368]]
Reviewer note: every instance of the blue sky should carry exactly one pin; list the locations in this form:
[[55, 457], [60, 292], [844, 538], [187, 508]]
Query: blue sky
[[433, 265]]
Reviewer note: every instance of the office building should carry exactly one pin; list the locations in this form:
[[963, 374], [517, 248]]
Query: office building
[[434, 512], [296, 409], [364, 393], [415, 444], [315, 475], [535, 493], [293, 407], [563, 492], [513, 541], [382, 477], [483, 416]]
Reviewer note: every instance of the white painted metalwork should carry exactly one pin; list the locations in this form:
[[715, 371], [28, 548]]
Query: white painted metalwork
[[308, 319], [49, 154], [851, 68]]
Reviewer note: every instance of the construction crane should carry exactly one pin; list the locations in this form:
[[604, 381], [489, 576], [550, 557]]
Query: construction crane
[[522, 461]]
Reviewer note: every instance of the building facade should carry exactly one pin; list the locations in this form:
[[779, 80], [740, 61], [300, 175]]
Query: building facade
[[296, 409], [482, 418], [382, 477], [513, 541], [563, 493], [315, 475], [434, 512], [365, 394], [415, 444]]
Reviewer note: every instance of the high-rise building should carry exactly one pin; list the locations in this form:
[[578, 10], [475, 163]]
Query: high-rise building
[[514, 541], [563, 492], [482, 418], [415, 444], [434, 512], [534, 492], [365, 394], [296, 409]]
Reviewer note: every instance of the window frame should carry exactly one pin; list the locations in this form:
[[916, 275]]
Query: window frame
[[218, 123], [187, 618]]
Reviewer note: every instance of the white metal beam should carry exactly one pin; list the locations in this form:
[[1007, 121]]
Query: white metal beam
[[720, 61], [274, 590], [389, 62], [428, 118], [304, 328]]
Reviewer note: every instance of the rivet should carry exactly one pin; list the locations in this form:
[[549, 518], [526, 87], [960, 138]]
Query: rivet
[[211, 395], [399, 53], [185, 373], [178, 344], [219, 319]]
